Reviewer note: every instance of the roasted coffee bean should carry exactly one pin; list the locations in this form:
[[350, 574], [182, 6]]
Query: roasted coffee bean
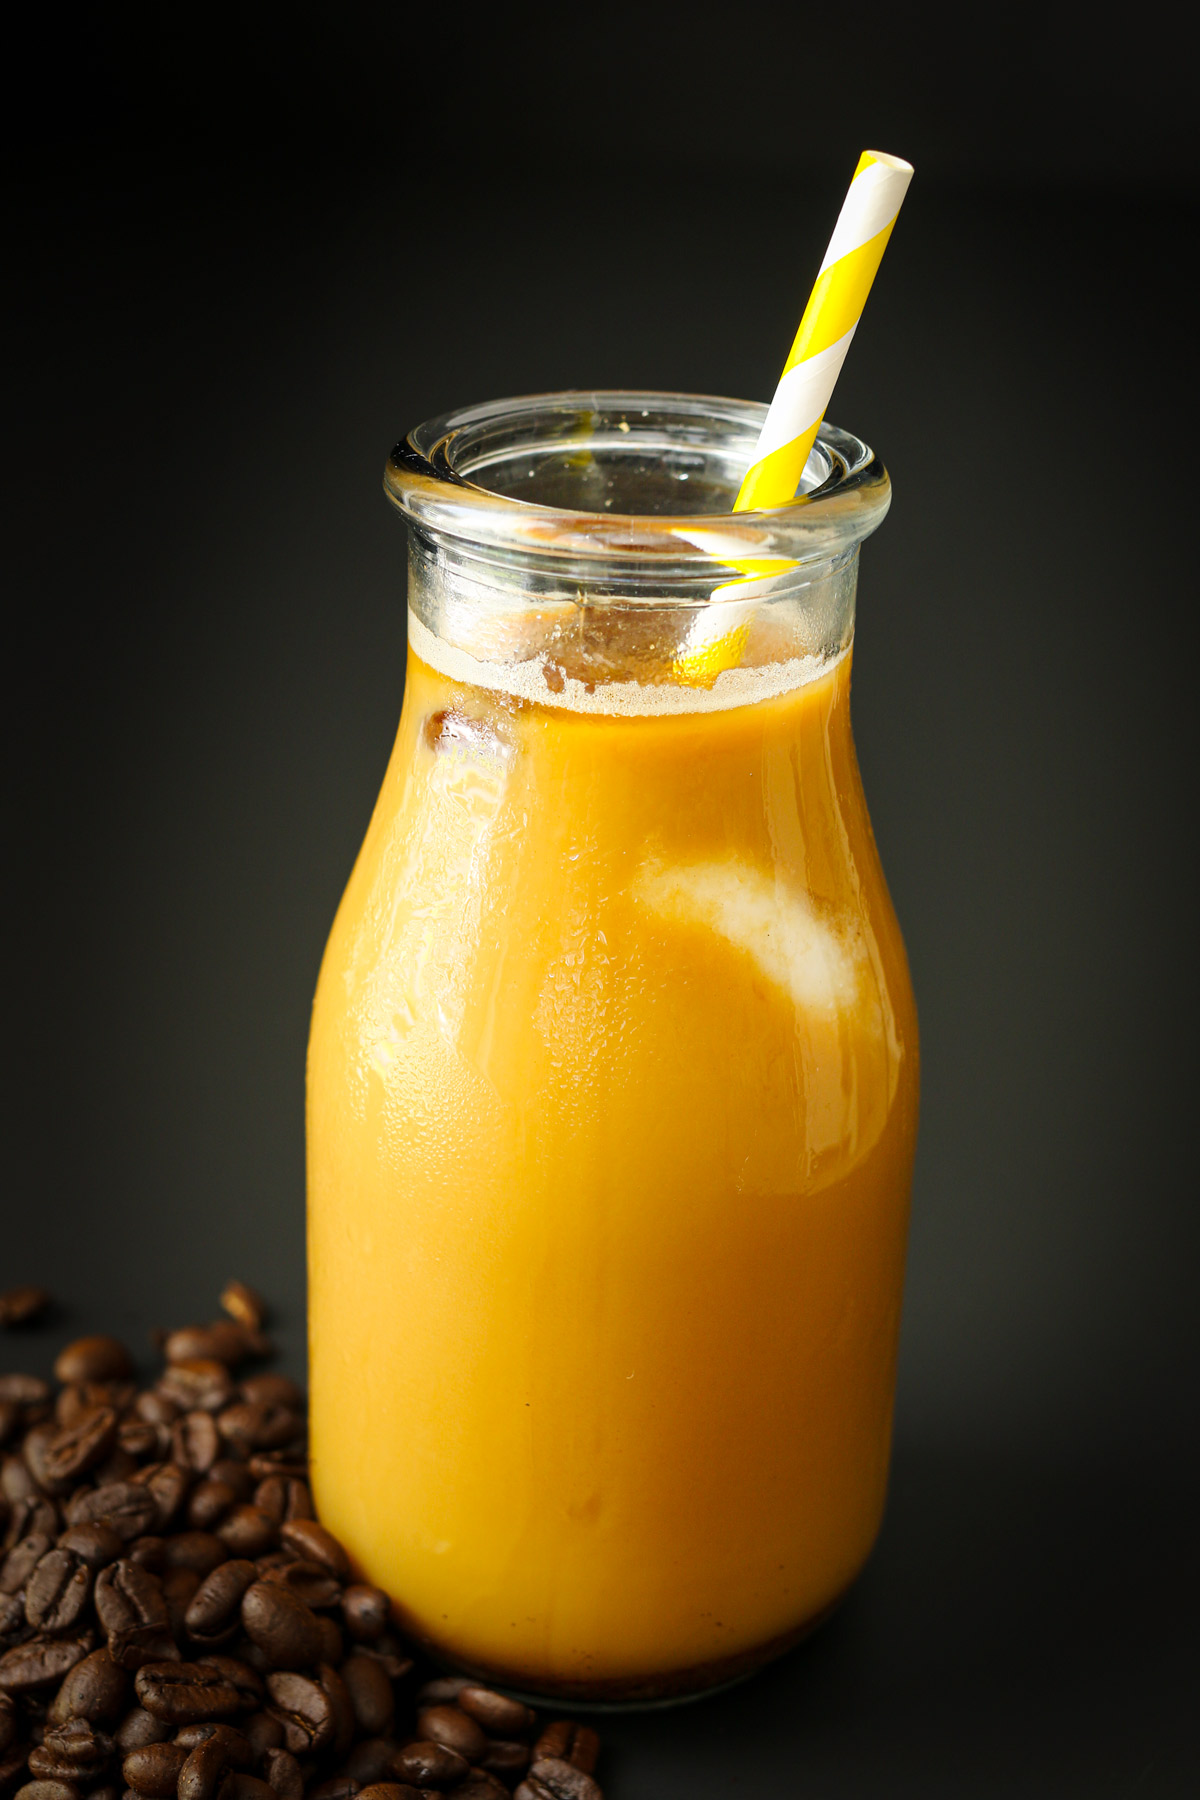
[[22, 1305], [130, 1510], [74, 1751], [96, 1544], [237, 1786], [201, 1774], [195, 1442], [224, 1341], [21, 1561], [305, 1711], [247, 1531], [215, 1609], [338, 1787], [394, 1666], [312, 1543], [156, 1409], [506, 1757], [498, 1715], [343, 1707], [201, 1551], [271, 1389], [148, 1553], [262, 1733], [93, 1359], [370, 1694], [552, 1779], [183, 1693], [443, 1691], [366, 1611], [132, 1610], [481, 1784], [257, 1425], [138, 1439], [57, 1591], [96, 1688], [245, 1681], [42, 1661], [154, 1769], [202, 1383], [12, 1618], [208, 1503], [36, 1451], [308, 1581], [371, 1760], [47, 1790], [79, 1447], [9, 1724], [138, 1728], [285, 1630], [426, 1764], [284, 1497], [179, 1590], [168, 1483], [568, 1742], [333, 1645], [265, 1463], [25, 1390], [244, 1305], [390, 1790], [457, 1730]]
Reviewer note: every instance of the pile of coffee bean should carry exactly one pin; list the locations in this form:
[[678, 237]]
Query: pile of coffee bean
[[174, 1622]]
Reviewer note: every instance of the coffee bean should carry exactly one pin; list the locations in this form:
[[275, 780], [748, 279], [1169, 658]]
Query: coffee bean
[[310, 1541], [394, 1666], [224, 1341], [95, 1544], [182, 1693], [9, 1724], [132, 1610], [129, 1509], [57, 1592], [247, 1531], [568, 1742], [36, 1450], [202, 1383], [246, 1683], [154, 1769], [244, 1305], [426, 1764], [139, 1727], [237, 1786], [506, 1757], [42, 1661], [551, 1777], [21, 1561], [81, 1446], [262, 1733], [137, 1439], [22, 1305], [215, 1609], [96, 1688], [443, 1691], [481, 1784], [289, 1461], [315, 1586], [148, 1553], [47, 1790], [93, 1359], [338, 1787], [370, 1694], [208, 1503], [201, 1551], [195, 1441], [284, 1497], [457, 1730], [305, 1711], [202, 1773], [366, 1611], [74, 1751], [497, 1714], [257, 1425], [283, 1627], [179, 1590], [371, 1759], [168, 1483], [390, 1790]]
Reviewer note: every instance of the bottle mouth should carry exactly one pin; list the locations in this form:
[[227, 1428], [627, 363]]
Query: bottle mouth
[[629, 479]]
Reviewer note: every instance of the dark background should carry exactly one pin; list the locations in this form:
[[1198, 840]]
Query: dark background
[[249, 251]]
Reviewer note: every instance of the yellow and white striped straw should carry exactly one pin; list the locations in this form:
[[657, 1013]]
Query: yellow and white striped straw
[[830, 320]]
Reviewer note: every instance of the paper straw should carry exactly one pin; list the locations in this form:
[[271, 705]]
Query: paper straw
[[830, 321]]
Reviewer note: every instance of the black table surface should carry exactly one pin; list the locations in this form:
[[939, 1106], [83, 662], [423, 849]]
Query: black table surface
[[208, 676]]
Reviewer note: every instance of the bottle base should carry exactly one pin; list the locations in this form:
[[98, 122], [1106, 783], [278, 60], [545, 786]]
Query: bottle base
[[648, 1693]]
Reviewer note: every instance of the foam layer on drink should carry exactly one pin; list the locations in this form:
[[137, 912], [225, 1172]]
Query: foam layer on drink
[[542, 679]]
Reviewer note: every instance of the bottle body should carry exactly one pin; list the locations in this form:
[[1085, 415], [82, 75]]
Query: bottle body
[[612, 1109]]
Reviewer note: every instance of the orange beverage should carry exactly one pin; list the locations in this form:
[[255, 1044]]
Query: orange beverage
[[612, 1107]]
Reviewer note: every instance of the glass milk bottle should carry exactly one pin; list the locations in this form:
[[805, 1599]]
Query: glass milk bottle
[[613, 1070]]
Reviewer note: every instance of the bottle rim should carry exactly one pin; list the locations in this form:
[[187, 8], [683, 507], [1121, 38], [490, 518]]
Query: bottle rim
[[502, 477]]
